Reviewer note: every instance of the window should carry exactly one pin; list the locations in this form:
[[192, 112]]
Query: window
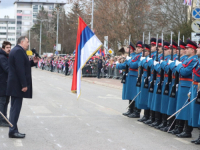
[[2, 28], [11, 39], [35, 10], [2, 33], [12, 22], [19, 22], [26, 17], [11, 28], [19, 28], [3, 23], [51, 7], [19, 17], [11, 34], [35, 15], [35, 6], [19, 11]]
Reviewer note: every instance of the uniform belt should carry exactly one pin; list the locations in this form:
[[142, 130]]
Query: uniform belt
[[185, 79], [166, 75], [195, 83], [133, 69], [173, 77], [144, 70], [158, 75]]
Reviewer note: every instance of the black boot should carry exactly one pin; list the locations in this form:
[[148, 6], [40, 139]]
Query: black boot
[[163, 123], [197, 141], [146, 115], [169, 126], [179, 125], [151, 118], [4, 124], [130, 110], [158, 119], [187, 132], [135, 114]]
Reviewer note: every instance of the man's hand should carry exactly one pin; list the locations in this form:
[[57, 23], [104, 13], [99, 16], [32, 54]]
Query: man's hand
[[24, 89], [35, 59]]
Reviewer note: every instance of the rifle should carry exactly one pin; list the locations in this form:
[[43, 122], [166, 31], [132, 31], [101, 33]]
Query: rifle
[[151, 88], [139, 79], [146, 81], [159, 88], [166, 91], [126, 70], [173, 92]]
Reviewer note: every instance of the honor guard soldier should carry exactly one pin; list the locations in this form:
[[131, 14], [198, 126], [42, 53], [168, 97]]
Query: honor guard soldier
[[165, 97], [132, 90], [143, 101], [123, 66], [185, 82], [173, 100], [194, 107], [151, 65]]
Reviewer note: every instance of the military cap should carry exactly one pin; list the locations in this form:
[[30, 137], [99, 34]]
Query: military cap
[[147, 47], [191, 44], [174, 45], [160, 42], [153, 41], [166, 45], [140, 44], [132, 46], [182, 44]]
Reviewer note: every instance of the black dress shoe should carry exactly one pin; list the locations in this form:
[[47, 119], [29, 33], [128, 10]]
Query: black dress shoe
[[165, 129], [16, 135], [197, 141], [22, 133], [193, 141], [150, 121], [162, 125], [184, 135], [177, 131], [144, 118], [134, 115], [156, 123], [128, 112], [4, 124]]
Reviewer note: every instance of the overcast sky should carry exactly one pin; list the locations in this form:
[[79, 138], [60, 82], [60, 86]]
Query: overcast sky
[[7, 6]]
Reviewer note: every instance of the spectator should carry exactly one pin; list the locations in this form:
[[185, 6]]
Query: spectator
[[4, 100], [99, 66]]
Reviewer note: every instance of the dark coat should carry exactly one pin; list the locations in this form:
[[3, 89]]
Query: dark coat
[[3, 72], [19, 73], [99, 65]]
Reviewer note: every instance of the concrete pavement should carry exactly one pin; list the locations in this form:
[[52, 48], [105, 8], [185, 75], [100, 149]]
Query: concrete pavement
[[54, 119]]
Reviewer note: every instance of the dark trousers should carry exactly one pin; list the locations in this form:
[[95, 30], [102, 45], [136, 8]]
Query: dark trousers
[[99, 71], [4, 100], [16, 104], [51, 68], [66, 71]]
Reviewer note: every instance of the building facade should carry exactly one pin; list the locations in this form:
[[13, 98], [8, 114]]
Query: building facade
[[7, 30], [26, 13]]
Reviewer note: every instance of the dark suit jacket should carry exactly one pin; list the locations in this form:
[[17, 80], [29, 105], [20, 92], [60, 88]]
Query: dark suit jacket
[[3, 72], [99, 65], [19, 73]]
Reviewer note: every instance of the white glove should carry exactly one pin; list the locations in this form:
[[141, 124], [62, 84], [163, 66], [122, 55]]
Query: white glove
[[149, 58], [176, 87], [161, 61], [155, 62], [189, 94], [169, 62], [142, 58], [178, 62], [127, 58]]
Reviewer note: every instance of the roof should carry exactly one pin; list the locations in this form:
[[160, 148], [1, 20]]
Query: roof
[[39, 1]]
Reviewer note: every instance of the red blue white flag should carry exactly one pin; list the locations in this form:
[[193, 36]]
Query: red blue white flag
[[87, 44], [188, 2]]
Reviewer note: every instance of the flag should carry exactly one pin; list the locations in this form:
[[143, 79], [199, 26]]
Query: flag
[[87, 44], [188, 2]]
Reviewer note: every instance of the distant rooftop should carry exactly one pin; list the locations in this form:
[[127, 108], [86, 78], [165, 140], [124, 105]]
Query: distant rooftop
[[40, 1]]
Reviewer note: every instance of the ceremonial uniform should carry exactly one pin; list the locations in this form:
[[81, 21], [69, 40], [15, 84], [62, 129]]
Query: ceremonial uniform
[[122, 66], [185, 82]]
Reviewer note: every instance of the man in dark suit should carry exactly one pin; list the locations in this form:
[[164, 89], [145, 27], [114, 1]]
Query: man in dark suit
[[66, 67], [4, 100], [99, 66], [19, 82]]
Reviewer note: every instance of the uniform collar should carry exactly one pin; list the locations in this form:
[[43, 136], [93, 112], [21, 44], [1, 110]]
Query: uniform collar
[[193, 57]]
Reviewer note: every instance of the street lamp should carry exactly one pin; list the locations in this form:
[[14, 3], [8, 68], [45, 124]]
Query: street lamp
[[40, 33]]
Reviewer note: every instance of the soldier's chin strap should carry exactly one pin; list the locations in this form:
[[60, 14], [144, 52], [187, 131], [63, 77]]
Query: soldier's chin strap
[[133, 100], [6, 119]]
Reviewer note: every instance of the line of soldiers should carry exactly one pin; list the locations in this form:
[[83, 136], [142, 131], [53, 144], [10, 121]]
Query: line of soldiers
[[161, 79]]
